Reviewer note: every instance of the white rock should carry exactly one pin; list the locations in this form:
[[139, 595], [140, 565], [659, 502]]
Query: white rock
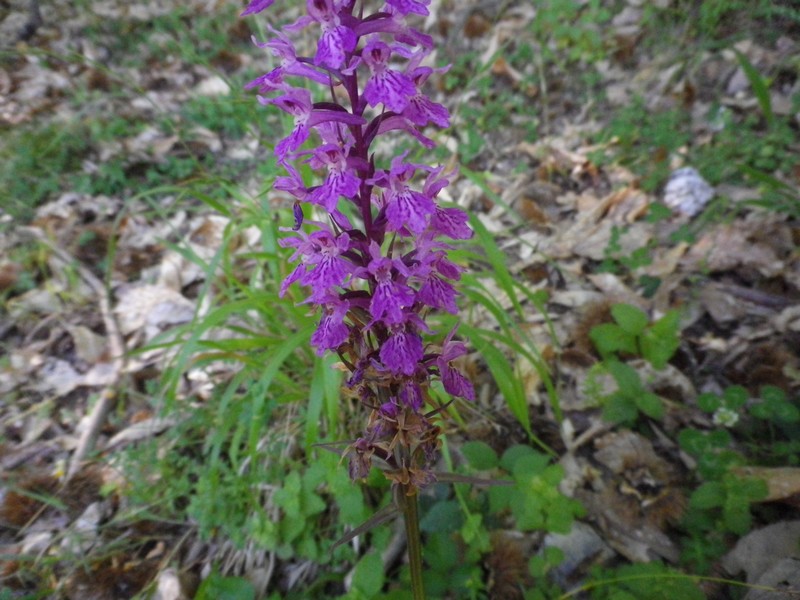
[[687, 192]]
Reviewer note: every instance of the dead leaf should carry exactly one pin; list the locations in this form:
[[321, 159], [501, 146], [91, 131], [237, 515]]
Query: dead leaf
[[783, 483], [727, 247], [760, 549], [89, 346], [58, 377], [151, 309], [780, 582]]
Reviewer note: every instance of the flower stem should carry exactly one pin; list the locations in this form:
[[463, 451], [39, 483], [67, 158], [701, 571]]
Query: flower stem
[[408, 505]]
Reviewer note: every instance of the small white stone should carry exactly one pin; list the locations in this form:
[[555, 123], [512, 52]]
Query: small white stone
[[213, 86], [687, 192]]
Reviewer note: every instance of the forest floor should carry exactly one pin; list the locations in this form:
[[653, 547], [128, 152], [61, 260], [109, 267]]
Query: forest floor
[[632, 170]]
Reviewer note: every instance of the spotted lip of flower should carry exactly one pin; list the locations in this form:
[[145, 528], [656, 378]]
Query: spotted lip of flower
[[387, 86], [390, 298], [407, 211], [340, 180], [323, 251], [402, 352], [336, 39], [332, 331], [421, 110]]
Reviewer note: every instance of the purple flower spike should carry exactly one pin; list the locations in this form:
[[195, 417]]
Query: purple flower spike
[[296, 102], [282, 47], [369, 245], [405, 7], [298, 216]]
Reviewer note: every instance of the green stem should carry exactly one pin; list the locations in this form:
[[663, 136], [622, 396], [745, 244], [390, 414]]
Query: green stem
[[408, 506]]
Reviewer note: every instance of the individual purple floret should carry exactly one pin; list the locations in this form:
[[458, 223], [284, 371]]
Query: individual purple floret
[[385, 86]]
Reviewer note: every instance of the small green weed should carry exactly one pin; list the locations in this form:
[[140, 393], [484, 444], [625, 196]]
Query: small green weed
[[773, 416], [530, 499], [633, 335], [229, 117], [722, 503], [35, 163], [534, 500], [571, 31], [644, 140]]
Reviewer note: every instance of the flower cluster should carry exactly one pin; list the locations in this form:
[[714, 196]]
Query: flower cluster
[[376, 274]]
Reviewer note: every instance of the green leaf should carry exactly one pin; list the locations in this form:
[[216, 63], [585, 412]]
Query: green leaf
[[532, 464], [736, 514], [771, 393], [735, 397], [217, 587], [784, 412], [651, 581], [503, 373], [661, 340], [708, 495], [500, 498], [445, 516], [528, 512], [761, 410], [609, 338], [439, 554], [751, 488], [709, 402], [760, 88], [497, 259], [480, 455], [475, 534], [693, 441], [651, 405], [368, 575], [513, 454], [632, 320], [719, 438], [657, 349], [626, 377], [713, 464], [620, 408], [658, 212]]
